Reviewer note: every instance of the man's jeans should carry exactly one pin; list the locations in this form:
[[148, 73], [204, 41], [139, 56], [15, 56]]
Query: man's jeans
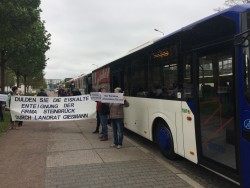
[[117, 125], [104, 123]]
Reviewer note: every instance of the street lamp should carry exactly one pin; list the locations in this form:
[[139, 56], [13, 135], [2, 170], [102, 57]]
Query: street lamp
[[159, 31]]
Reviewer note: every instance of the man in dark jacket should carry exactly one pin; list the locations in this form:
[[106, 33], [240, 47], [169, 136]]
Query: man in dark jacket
[[76, 92], [104, 112], [1, 107], [98, 109], [42, 93]]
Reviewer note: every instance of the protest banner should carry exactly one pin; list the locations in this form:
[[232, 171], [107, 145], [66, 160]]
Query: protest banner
[[26, 108], [95, 96], [112, 98], [3, 97]]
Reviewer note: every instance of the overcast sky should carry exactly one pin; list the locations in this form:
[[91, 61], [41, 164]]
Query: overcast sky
[[87, 34]]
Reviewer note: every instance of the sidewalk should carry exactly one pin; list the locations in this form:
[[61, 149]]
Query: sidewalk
[[68, 154]]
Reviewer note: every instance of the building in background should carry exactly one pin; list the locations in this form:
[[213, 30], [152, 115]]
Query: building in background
[[53, 84]]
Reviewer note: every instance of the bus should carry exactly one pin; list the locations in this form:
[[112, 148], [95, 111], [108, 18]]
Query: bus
[[189, 92], [83, 83]]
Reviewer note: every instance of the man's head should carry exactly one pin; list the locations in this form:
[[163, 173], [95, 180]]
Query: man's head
[[103, 89], [118, 90], [14, 89]]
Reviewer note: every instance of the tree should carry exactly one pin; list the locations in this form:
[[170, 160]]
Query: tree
[[36, 81], [30, 59], [17, 19], [9, 78]]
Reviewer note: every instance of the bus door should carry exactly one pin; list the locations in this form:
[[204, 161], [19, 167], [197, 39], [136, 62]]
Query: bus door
[[215, 122], [187, 108]]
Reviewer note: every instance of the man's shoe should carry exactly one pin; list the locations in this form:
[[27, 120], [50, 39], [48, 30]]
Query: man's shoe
[[104, 139], [101, 137], [119, 147], [95, 132], [113, 145]]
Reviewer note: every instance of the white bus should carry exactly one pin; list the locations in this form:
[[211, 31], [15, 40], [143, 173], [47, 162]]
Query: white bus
[[189, 92]]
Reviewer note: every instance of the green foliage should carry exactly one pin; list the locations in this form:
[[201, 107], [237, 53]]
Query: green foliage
[[16, 19], [23, 39], [9, 78], [37, 81]]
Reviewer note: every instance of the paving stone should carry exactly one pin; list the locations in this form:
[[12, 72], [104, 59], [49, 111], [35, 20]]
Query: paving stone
[[124, 154], [112, 174], [77, 157], [68, 145]]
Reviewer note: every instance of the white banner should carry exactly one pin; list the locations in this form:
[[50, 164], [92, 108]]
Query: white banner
[[112, 98], [3, 97], [26, 108], [95, 96], [107, 97]]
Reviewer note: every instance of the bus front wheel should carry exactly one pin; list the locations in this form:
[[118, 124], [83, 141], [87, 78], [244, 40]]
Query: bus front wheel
[[165, 141]]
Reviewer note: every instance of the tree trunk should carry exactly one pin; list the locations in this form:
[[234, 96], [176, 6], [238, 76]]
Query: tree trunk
[[25, 84], [27, 88], [17, 78]]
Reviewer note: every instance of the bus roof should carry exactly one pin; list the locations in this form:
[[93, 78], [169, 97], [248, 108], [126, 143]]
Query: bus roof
[[237, 8]]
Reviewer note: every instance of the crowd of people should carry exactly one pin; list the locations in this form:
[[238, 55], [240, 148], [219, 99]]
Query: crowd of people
[[64, 92], [105, 113], [16, 91]]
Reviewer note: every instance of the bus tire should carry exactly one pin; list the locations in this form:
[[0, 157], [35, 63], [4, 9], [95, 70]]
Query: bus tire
[[165, 141]]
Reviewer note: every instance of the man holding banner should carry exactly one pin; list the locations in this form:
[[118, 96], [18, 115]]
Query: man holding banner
[[104, 100], [116, 116], [8, 102], [104, 112], [98, 108]]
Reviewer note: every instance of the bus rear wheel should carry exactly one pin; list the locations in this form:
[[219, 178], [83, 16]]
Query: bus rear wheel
[[165, 141]]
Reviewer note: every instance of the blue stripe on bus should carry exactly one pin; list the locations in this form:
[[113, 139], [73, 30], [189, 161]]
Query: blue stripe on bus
[[191, 106]]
